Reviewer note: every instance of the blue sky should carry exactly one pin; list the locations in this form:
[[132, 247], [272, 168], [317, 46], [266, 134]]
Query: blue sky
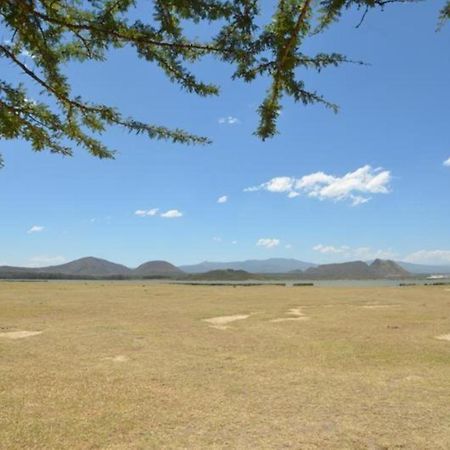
[[393, 126]]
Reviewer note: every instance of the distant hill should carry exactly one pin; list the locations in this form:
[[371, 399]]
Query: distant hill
[[223, 275], [84, 267], [91, 267], [272, 265], [156, 268], [423, 268], [387, 269], [275, 268], [353, 270], [357, 270]]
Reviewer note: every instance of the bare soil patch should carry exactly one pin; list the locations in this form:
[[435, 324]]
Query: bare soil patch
[[444, 337], [296, 312], [221, 322], [118, 358], [378, 306], [19, 334]]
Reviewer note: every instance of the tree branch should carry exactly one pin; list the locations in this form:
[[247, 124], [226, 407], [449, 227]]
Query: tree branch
[[140, 39], [60, 97]]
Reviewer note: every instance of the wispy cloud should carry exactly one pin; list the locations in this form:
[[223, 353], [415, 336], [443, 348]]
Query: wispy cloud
[[101, 220], [146, 212], [353, 186], [268, 242], [327, 249], [447, 162], [371, 253], [222, 199], [364, 253], [229, 120], [429, 257], [172, 214], [217, 239], [36, 229]]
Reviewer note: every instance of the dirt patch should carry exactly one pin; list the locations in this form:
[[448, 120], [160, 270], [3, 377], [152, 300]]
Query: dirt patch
[[296, 312], [378, 306], [413, 378], [221, 322], [118, 358], [19, 334], [289, 319], [444, 337]]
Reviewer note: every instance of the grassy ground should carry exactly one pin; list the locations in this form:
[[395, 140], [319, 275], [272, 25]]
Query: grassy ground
[[121, 366]]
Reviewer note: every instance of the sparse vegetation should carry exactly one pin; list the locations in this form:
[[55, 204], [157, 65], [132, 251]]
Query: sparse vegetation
[[134, 366]]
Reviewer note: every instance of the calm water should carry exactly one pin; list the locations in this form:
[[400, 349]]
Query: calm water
[[288, 283], [337, 283]]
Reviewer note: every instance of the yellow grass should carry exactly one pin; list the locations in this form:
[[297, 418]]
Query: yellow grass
[[135, 366]]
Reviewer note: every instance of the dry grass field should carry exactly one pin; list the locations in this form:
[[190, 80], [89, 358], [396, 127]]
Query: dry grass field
[[142, 366]]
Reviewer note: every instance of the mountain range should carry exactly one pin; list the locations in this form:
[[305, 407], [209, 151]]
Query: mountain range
[[285, 265], [96, 267], [271, 265], [424, 268], [91, 267], [357, 270]]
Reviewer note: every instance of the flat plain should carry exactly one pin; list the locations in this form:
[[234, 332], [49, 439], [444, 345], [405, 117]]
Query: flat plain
[[153, 366]]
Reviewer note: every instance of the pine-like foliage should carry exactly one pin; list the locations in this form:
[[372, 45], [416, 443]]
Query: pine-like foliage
[[47, 34]]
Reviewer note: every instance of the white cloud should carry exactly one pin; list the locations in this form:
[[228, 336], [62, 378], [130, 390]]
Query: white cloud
[[329, 249], [217, 239], [288, 246], [277, 184], [172, 214], [146, 212], [353, 186], [429, 257], [222, 199], [229, 120], [447, 162], [310, 181], [358, 200], [36, 229], [280, 184], [44, 260], [268, 242], [367, 253], [364, 253], [234, 242]]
